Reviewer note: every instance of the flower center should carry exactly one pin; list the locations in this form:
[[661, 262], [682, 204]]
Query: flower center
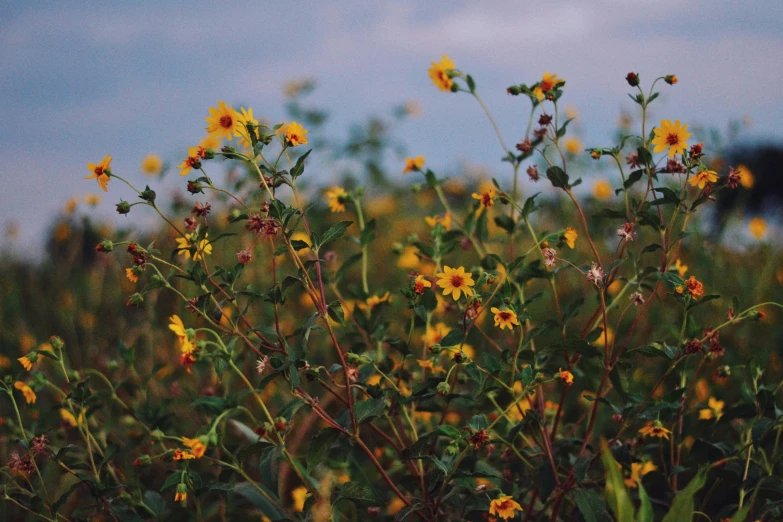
[[456, 281], [505, 316], [98, 171], [672, 139], [226, 122]]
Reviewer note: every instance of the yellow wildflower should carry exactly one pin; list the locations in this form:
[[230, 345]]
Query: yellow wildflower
[[602, 189], [703, 177], [671, 136], [295, 134], [29, 394], [152, 165], [299, 495], [100, 172], [757, 228], [714, 410], [655, 431], [505, 507], [185, 244], [412, 164], [454, 281], [221, 121], [439, 73], [336, 198], [570, 237], [505, 318], [243, 119]]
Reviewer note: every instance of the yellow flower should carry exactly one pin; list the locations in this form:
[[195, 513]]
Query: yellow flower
[[182, 455], [757, 228], [26, 362], [68, 420], [439, 73], [71, 205], [408, 258], [638, 470], [336, 198], [412, 164], [178, 327], [197, 447], [152, 165], [566, 376], [184, 245], [192, 161], [100, 172], [244, 118], [505, 318], [420, 284], [209, 142], [131, 275], [92, 199], [570, 237], [538, 93], [29, 394], [747, 179], [295, 134], [504, 507], [602, 189], [548, 81], [182, 493], [655, 431], [374, 301], [434, 334], [454, 281], [444, 221], [394, 506], [573, 146], [674, 137], [221, 121], [681, 268], [487, 198], [714, 410], [299, 495], [703, 177]]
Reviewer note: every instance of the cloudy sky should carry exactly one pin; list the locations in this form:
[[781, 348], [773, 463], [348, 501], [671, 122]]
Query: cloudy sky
[[79, 80]]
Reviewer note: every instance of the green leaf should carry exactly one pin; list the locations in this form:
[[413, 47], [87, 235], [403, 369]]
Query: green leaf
[[358, 493], [260, 501], [471, 83], [645, 508], [298, 169], [334, 232], [558, 178], [742, 514], [760, 428], [505, 222], [682, 506], [616, 494], [530, 206], [336, 312], [591, 505], [319, 448], [366, 410], [453, 338], [704, 299]]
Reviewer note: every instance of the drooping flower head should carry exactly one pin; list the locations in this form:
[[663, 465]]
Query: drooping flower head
[[222, 121], [671, 136], [193, 161], [29, 394], [566, 376], [439, 73], [100, 172], [655, 430], [455, 281], [505, 507], [243, 120], [420, 284]]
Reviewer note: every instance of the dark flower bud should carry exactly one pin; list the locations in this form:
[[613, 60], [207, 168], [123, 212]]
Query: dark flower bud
[[148, 194], [633, 79], [514, 90], [135, 300], [670, 79], [104, 246], [56, 342], [194, 187], [123, 207]]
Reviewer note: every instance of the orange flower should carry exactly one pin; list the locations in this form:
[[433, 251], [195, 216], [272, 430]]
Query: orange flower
[[566, 376], [412, 164], [487, 198], [504, 507], [703, 177], [655, 431], [183, 455], [695, 288], [197, 447], [29, 394], [420, 284], [26, 362], [131, 275], [100, 172]]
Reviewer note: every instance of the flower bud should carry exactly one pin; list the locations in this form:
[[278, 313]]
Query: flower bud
[[280, 424], [194, 187], [633, 79], [142, 461], [670, 79], [595, 154], [209, 154], [123, 207], [135, 300], [104, 246], [435, 348], [443, 388], [373, 512], [56, 342], [148, 194], [514, 90]]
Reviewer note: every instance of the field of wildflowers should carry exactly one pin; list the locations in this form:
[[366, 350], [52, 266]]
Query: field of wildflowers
[[404, 346]]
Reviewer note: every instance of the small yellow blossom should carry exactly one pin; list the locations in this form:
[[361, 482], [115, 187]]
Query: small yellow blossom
[[182, 455], [26, 362], [131, 275], [184, 245], [671, 136], [192, 161], [100, 172], [566, 376], [152, 165], [374, 301], [747, 179], [655, 431], [408, 258], [703, 177], [573, 146], [505, 318], [92, 199], [548, 81], [29, 394], [487, 198], [757, 228], [714, 410], [221, 121], [505, 507], [638, 470], [602, 189], [439, 73], [336, 198], [681, 268], [299, 495], [420, 284], [570, 237], [197, 447], [412, 164], [444, 221], [295, 134], [454, 281], [245, 118], [71, 205]]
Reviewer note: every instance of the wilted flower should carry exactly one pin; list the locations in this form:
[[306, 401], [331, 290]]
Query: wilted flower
[[549, 256], [244, 256], [532, 173], [632, 160], [626, 232], [637, 298], [525, 146], [595, 275]]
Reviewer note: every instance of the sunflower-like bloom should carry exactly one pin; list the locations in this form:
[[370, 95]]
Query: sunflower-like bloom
[[505, 507], [454, 281], [549, 81], [487, 198], [439, 73], [444, 221], [505, 318], [178, 327], [29, 394], [245, 118], [131, 275], [336, 198], [100, 172], [294, 134], [412, 164], [655, 431], [695, 288], [674, 137], [184, 245], [222, 121], [420, 284], [570, 237], [193, 161], [703, 177], [638, 470], [26, 362]]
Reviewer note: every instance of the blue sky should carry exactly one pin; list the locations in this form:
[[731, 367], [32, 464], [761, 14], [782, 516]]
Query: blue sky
[[79, 80]]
